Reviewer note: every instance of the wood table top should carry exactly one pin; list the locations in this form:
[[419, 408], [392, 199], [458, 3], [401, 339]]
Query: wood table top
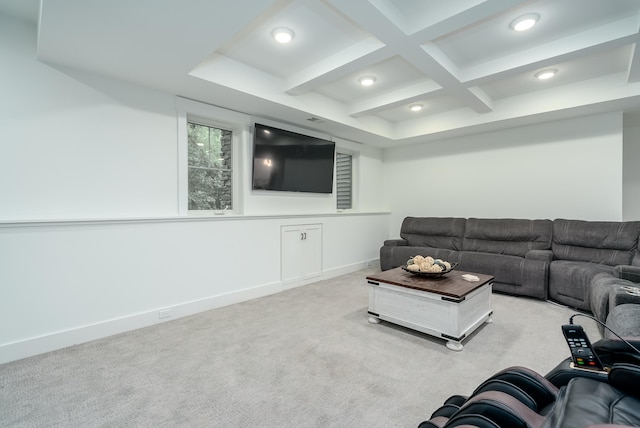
[[450, 284]]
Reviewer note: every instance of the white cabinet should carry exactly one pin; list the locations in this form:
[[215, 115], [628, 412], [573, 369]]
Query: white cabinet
[[300, 252]]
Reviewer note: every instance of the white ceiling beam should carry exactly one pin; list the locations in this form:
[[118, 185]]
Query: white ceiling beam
[[242, 78], [373, 20], [483, 97], [607, 93], [633, 73], [451, 69], [392, 13], [605, 37], [455, 15], [405, 95], [368, 52], [427, 61]]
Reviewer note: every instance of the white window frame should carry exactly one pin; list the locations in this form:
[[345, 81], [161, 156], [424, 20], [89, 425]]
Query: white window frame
[[205, 114]]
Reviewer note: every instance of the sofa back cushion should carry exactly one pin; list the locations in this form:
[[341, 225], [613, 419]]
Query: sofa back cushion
[[604, 242], [514, 237], [436, 232]]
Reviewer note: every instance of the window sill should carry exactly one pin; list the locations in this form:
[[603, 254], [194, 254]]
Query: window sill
[[170, 219]]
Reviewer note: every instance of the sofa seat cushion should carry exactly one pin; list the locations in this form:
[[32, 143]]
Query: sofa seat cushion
[[507, 236], [434, 232], [569, 281], [513, 274], [585, 402], [503, 267]]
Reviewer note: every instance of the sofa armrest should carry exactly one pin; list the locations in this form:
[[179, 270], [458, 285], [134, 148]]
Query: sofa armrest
[[624, 294], [396, 242], [628, 272], [545, 255]]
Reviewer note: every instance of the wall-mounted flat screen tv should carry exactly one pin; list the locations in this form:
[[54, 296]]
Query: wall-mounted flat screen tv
[[291, 162]]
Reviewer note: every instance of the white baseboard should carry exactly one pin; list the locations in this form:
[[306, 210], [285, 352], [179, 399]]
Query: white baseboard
[[332, 273], [62, 339], [335, 272]]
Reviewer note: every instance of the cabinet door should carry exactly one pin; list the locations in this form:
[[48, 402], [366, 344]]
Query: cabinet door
[[311, 251], [301, 252], [291, 239]]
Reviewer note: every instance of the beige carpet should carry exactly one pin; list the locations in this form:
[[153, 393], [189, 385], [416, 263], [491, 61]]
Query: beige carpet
[[306, 357]]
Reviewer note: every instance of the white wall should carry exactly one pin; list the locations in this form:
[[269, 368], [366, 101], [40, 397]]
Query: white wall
[[631, 168], [66, 283], [565, 169], [75, 145], [91, 242]]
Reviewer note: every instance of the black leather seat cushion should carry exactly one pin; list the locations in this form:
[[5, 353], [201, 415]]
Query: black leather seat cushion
[[585, 402]]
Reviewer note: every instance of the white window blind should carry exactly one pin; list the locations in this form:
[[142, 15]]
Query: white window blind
[[344, 180]]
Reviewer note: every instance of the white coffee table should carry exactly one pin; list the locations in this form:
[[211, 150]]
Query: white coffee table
[[447, 307]]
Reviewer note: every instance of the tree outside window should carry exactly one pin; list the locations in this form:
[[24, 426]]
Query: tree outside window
[[209, 167]]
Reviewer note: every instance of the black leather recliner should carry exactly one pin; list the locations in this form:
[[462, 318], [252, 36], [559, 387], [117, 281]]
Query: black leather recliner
[[519, 397]]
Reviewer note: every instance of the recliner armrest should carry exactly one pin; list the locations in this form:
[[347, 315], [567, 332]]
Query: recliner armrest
[[396, 242], [616, 345], [612, 351], [545, 255], [626, 378], [628, 272]]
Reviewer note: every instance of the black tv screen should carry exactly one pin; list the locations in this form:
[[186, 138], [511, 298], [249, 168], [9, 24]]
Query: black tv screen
[[291, 162]]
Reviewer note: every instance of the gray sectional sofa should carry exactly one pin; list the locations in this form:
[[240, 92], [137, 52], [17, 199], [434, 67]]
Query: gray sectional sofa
[[588, 265], [584, 249], [516, 252]]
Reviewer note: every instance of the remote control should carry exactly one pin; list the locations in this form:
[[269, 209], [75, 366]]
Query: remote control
[[582, 352]]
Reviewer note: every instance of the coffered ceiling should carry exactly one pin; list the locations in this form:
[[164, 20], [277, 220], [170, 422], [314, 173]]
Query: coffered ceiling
[[459, 59]]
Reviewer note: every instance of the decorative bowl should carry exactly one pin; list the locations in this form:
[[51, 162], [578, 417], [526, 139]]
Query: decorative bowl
[[431, 274]]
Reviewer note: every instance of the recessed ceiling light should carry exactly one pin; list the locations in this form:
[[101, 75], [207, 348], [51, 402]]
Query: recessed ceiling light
[[367, 80], [525, 22], [546, 74], [416, 107], [282, 35]]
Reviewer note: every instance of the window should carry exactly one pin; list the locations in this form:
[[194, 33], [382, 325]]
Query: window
[[344, 182], [209, 167], [210, 151]]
